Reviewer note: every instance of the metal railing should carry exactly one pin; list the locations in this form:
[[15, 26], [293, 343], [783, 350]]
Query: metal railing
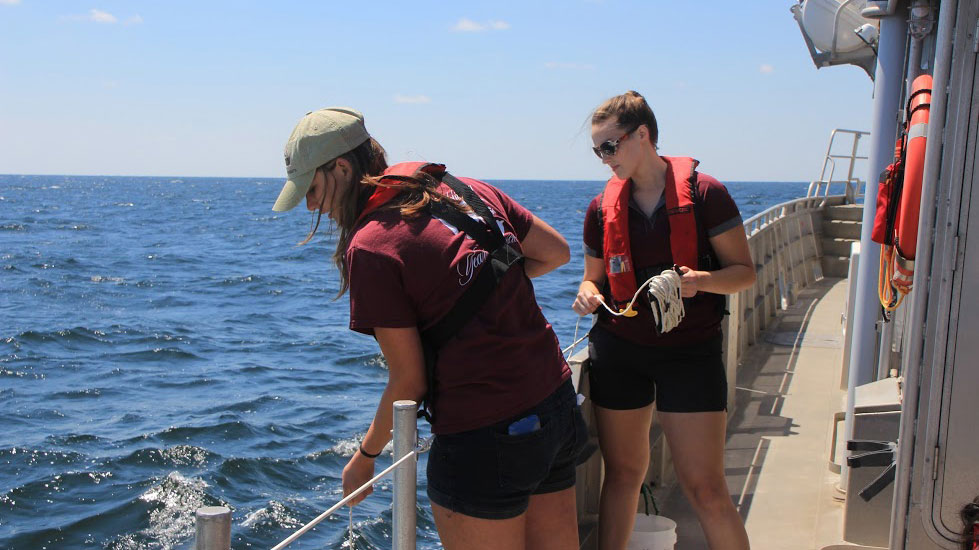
[[786, 250], [853, 186], [214, 522]]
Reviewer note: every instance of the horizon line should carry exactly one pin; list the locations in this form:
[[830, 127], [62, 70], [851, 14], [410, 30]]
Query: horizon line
[[282, 179]]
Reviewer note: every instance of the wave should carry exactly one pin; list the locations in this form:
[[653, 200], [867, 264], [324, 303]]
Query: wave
[[173, 503], [247, 406], [25, 457], [236, 430], [156, 354], [4, 372], [363, 359], [273, 515], [88, 393], [70, 439], [68, 335], [170, 457]]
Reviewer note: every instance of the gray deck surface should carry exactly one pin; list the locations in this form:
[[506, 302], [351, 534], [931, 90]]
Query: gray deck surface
[[779, 434]]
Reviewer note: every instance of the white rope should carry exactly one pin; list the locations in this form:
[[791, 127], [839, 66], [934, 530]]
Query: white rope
[[664, 299], [423, 446], [574, 341]]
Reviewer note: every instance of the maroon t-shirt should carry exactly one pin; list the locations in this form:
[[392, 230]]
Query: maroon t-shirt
[[649, 239], [410, 273]]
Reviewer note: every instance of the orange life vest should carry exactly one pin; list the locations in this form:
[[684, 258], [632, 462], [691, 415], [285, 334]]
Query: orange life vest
[[616, 249]]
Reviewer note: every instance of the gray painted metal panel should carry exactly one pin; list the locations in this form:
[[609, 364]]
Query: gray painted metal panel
[[958, 475], [942, 472]]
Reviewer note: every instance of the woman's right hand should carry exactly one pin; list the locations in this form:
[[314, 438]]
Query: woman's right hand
[[587, 300]]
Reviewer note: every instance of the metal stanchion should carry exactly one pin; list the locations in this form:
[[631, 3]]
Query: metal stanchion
[[213, 528], [406, 475]]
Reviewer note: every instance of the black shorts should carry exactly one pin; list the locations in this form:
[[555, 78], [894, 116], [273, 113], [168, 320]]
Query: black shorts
[[624, 375], [489, 473]]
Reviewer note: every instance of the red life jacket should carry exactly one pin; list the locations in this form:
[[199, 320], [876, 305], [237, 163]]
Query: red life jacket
[[616, 249], [382, 195]]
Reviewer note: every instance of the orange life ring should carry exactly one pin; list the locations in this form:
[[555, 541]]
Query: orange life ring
[[897, 231], [906, 226]]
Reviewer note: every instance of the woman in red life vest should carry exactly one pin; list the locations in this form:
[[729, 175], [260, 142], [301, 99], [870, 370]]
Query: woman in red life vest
[[501, 470], [656, 212]]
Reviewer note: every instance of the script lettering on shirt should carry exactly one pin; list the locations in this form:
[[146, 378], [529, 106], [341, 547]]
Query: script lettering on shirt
[[467, 267]]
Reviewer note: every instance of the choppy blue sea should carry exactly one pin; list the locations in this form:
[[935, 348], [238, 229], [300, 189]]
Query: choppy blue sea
[[164, 345]]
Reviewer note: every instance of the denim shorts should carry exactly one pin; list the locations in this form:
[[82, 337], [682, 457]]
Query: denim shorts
[[490, 473]]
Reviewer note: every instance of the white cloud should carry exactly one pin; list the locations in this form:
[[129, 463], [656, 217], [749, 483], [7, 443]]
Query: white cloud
[[10, 2], [569, 66], [398, 98], [100, 16], [766, 69], [468, 25]]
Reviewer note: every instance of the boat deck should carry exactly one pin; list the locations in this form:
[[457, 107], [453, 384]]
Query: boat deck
[[780, 432]]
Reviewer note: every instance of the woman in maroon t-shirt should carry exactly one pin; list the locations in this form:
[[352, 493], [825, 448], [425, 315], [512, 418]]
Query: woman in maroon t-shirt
[[631, 366], [501, 470]]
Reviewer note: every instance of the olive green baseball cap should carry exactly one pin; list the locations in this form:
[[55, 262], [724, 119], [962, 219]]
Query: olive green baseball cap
[[320, 137]]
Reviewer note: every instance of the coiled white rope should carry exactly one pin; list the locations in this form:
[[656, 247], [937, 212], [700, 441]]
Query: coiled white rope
[[664, 300]]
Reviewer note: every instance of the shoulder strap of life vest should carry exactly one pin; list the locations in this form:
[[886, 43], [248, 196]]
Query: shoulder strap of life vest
[[487, 233], [616, 251], [614, 214], [680, 209]]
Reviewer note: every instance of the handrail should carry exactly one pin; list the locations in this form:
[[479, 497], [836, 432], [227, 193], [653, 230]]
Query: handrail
[[422, 447], [214, 523], [854, 187], [786, 252]]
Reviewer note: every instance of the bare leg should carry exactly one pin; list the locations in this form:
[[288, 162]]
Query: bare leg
[[696, 442], [461, 532], [624, 439], [552, 522]]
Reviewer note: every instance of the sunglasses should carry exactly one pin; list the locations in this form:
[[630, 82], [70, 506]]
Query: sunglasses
[[609, 147]]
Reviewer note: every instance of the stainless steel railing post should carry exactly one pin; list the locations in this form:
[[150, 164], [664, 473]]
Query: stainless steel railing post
[[213, 528], [406, 475]]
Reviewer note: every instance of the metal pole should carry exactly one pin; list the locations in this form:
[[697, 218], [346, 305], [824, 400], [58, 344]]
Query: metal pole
[[406, 476], [213, 528], [889, 84], [912, 360], [851, 193]]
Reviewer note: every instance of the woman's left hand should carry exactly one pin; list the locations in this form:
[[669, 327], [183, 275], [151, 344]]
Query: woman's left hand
[[357, 472], [690, 281]]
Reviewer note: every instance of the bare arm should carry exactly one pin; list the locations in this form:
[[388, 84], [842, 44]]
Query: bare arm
[[589, 291], [544, 249], [406, 380], [737, 268]]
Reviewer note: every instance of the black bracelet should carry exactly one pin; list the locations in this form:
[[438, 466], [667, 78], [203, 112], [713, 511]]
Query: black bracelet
[[369, 455]]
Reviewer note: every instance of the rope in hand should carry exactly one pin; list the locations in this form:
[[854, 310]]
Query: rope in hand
[[664, 300]]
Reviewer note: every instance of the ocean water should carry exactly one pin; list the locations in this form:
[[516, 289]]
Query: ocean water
[[164, 345]]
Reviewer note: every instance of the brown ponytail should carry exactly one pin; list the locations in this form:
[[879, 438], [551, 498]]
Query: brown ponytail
[[369, 163]]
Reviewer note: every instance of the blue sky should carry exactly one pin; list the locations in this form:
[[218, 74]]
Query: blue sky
[[496, 90]]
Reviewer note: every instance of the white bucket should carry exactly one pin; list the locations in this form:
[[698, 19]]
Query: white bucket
[[652, 533]]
